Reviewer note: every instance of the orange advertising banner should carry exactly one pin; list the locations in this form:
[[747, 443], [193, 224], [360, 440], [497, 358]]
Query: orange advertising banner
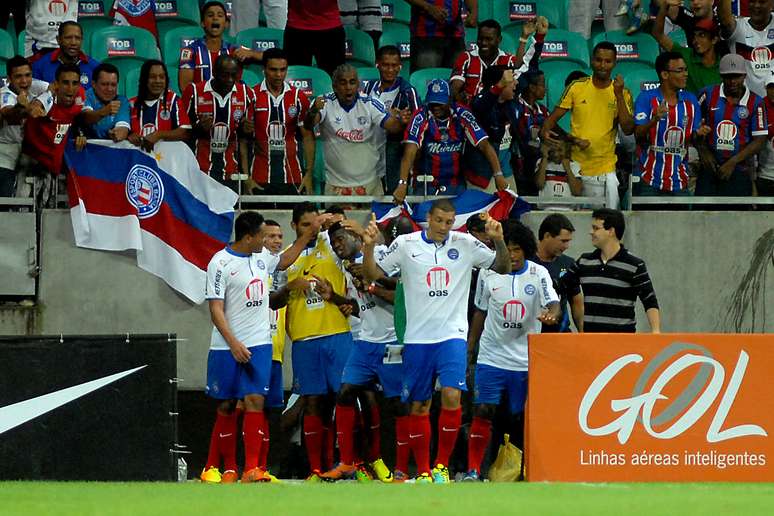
[[641, 407]]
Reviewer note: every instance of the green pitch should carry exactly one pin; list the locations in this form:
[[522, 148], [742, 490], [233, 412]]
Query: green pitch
[[80, 498]]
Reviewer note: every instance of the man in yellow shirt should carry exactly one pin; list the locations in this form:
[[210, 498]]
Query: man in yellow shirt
[[598, 106], [319, 331]]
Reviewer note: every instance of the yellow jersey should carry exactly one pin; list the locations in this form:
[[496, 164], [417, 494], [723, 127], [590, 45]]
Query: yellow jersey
[[308, 315], [594, 117]]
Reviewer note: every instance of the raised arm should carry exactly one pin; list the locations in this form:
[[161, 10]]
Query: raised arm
[[727, 18], [658, 26]]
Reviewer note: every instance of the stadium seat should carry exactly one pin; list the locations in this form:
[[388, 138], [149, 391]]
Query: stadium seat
[[367, 73], [90, 26], [398, 34], [171, 14], [511, 14], [359, 48], [20, 42], [678, 36], [131, 82], [485, 10], [397, 11], [635, 48], [177, 39], [641, 80], [173, 80], [121, 42], [422, 78], [564, 45], [507, 45], [251, 78], [7, 49], [628, 67], [260, 38], [310, 80], [556, 73]]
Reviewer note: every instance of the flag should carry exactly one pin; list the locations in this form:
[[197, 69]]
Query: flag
[[161, 205], [499, 206], [137, 13]]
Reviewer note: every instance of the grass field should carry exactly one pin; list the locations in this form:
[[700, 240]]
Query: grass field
[[82, 498]]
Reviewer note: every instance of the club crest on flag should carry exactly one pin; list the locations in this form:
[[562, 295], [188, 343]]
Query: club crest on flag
[[135, 7], [144, 190]]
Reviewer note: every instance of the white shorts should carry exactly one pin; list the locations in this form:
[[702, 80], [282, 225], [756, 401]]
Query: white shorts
[[603, 185]]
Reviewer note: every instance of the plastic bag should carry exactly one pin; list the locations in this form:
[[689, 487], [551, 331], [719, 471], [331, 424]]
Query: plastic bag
[[507, 465]]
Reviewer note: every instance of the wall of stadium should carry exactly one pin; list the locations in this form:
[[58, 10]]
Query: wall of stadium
[[713, 272]]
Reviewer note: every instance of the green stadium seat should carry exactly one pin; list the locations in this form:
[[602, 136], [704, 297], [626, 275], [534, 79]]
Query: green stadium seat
[[120, 42], [485, 10], [398, 34], [173, 80], [508, 43], [171, 14], [251, 78], [90, 26], [641, 80], [7, 48], [367, 73], [420, 79], [131, 82], [564, 45], [635, 48], [177, 39], [359, 48], [94, 9], [20, 42], [511, 14], [556, 73], [625, 68], [312, 81], [397, 11], [679, 37], [260, 38]]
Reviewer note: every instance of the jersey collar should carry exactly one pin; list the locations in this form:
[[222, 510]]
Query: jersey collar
[[230, 251], [743, 100], [433, 242], [265, 88], [208, 88], [522, 271]]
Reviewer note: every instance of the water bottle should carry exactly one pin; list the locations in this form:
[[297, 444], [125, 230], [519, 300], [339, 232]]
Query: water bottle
[[182, 470]]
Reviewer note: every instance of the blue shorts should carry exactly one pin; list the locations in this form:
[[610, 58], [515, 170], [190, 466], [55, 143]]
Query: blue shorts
[[422, 363], [276, 396], [227, 379], [318, 363], [492, 381], [366, 365]]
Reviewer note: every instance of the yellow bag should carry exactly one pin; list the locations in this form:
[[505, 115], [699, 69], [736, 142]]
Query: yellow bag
[[507, 465]]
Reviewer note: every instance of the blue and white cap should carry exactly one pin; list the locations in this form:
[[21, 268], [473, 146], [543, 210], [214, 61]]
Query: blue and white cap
[[437, 92]]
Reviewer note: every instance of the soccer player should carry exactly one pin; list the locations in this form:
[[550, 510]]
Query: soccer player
[[439, 130], [752, 38], [349, 122], [197, 60], [509, 307], [69, 37], [104, 92], [394, 92], [435, 267], [218, 109], [554, 236], [666, 120], [279, 166], [375, 358], [612, 279], [239, 362], [467, 74], [598, 105], [738, 117], [319, 330], [157, 111]]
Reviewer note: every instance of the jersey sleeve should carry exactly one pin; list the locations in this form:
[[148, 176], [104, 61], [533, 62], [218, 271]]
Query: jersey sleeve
[[460, 67], [568, 97], [181, 116], [47, 99], [216, 281], [570, 282], [272, 262], [473, 130], [7, 99], [547, 293], [123, 117], [483, 257], [187, 59], [415, 132], [377, 112], [302, 104], [324, 110], [642, 109], [760, 121], [481, 298], [389, 260]]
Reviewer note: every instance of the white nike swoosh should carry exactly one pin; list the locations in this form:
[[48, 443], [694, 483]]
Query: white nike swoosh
[[448, 429], [227, 435], [310, 433], [476, 436], [460, 383], [17, 414], [412, 436], [399, 443]]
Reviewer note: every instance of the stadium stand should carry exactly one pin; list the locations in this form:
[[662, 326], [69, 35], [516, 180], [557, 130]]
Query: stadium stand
[[397, 11], [367, 73], [398, 34], [359, 47], [177, 39], [637, 48], [251, 78], [422, 78], [125, 47], [562, 45], [641, 80], [173, 14]]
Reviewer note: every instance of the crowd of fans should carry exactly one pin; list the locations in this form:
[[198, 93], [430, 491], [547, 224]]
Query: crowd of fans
[[703, 129]]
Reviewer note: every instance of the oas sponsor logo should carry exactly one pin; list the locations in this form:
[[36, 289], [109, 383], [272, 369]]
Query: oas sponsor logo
[[219, 137], [683, 409], [438, 279], [57, 7], [726, 135], [513, 314], [760, 58], [673, 140], [144, 190], [254, 293]]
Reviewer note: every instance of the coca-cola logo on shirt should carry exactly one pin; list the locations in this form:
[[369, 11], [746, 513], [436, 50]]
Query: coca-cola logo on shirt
[[355, 135]]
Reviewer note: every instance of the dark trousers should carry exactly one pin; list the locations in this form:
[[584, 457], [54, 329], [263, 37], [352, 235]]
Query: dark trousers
[[434, 52], [326, 46]]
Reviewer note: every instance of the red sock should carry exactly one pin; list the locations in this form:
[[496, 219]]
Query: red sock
[[251, 426], [264, 433], [419, 440], [448, 428], [223, 442], [375, 435], [313, 438], [402, 443], [480, 433], [345, 431], [329, 444]]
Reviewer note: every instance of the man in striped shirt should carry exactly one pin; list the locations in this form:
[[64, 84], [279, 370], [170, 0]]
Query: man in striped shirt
[[611, 279]]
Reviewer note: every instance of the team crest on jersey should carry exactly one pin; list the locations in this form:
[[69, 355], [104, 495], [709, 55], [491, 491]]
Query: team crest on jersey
[[362, 120], [453, 254], [78, 101], [238, 114], [144, 190], [292, 111], [135, 7], [165, 114], [529, 289], [185, 54], [84, 79], [261, 265], [742, 112], [770, 35]]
